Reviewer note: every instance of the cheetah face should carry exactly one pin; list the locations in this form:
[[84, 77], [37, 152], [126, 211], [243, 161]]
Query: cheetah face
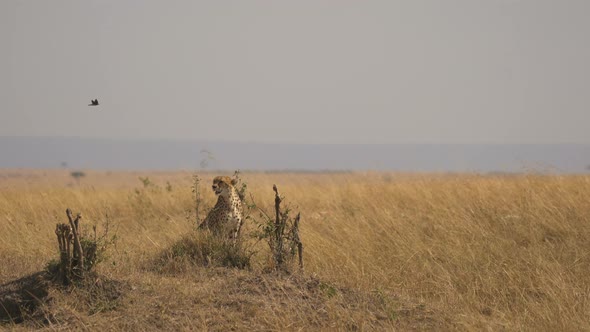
[[222, 185], [219, 187]]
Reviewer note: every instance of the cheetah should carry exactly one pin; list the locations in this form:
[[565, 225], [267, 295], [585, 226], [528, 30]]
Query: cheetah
[[227, 214]]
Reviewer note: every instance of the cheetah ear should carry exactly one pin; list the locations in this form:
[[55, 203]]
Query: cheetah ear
[[234, 182]]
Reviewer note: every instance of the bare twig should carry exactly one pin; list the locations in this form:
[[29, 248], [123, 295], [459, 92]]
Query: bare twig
[[79, 254], [279, 227], [196, 182], [277, 203], [296, 240], [63, 239]]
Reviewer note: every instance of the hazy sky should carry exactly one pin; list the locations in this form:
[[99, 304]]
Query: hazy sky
[[305, 71]]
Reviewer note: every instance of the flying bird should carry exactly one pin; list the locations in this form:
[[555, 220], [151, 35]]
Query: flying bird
[[93, 102]]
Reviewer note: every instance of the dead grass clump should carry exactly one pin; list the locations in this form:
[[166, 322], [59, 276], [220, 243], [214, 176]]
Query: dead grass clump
[[202, 248], [94, 294]]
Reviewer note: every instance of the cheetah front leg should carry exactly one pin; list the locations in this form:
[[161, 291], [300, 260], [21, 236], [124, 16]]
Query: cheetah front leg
[[236, 231]]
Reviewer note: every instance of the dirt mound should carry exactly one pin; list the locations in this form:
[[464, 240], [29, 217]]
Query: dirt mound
[[21, 298], [222, 299], [207, 299], [310, 302], [38, 300]]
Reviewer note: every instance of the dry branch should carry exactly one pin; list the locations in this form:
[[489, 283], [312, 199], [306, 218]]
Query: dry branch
[[278, 237], [64, 236], [297, 241], [196, 182], [279, 227], [78, 253]]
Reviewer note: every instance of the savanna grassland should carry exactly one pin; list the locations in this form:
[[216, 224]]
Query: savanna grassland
[[383, 251]]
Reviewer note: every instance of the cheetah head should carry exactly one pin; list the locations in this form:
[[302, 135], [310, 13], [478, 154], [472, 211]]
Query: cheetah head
[[222, 185]]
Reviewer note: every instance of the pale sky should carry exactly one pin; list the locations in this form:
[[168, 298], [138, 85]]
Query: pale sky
[[304, 71]]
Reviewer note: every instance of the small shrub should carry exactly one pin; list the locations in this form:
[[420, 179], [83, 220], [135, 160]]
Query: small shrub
[[79, 253], [281, 233], [146, 182], [77, 175], [329, 290]]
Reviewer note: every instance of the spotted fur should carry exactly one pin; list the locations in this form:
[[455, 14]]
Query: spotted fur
[[226, 217]]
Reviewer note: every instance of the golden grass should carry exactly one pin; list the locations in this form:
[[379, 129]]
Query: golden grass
[[477, 252]]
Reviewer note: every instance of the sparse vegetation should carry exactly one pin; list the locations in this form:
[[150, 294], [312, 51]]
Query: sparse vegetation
[[280, 232], [147, 183], [383, 251], [78, 252]]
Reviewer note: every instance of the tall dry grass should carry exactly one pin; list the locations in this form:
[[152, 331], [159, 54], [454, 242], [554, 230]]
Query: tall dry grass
[[499, 252]]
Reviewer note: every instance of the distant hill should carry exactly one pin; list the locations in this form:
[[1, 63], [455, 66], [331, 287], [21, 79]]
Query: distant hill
[[87, 153]]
